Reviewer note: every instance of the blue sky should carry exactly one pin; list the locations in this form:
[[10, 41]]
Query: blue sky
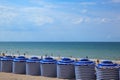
[[59, 20]]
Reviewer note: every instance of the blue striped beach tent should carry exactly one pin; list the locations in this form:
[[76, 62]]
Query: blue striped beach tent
[[6, 64], [48, 67], [85, 70], [19, 65], [65, 69], [107, 70], [119, 71], [0, 62], [33, 66]]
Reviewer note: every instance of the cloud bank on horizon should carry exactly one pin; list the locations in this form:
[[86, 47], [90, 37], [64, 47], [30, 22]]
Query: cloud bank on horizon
[[59, 20]]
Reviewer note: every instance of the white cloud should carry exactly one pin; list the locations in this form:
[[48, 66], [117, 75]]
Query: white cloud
[[105, 20], [10, 16], [6, 8], [32, 9], [38, 16], [40, 20], [101, 20], [81, 20], [7, 15], [86, 19], [78, 20], [7, 18]]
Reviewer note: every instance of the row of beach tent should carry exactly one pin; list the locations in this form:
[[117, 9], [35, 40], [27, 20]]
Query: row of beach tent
[[66, 68]]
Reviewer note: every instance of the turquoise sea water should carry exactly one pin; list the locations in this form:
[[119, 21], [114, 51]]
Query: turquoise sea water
[[101, 50]]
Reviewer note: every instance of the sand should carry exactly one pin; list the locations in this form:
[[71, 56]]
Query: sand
[[11, 76]]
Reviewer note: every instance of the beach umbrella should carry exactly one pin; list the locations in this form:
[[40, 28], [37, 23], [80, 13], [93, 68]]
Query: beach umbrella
[[19, 65], [85, 70], [6, 64], [65, 69], [48, 67], [0, 62], [33, 66], [107, 70]]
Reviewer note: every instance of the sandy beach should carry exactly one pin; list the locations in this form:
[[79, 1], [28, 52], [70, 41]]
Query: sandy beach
[[11, 76]]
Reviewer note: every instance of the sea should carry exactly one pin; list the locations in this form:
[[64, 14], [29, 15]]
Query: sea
[[93, 50]]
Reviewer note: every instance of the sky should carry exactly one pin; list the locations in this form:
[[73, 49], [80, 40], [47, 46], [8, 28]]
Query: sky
[[60, 20]]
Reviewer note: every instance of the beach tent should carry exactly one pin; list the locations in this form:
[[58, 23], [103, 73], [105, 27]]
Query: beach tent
[[33, 66], [119, 71], [85, 70], [65, 69], [0, 62], [19, 65], [48, 67], [107, 70], [6, 64]]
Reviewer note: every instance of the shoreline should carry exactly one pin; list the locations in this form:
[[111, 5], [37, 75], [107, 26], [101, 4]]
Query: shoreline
[[59, 57]]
